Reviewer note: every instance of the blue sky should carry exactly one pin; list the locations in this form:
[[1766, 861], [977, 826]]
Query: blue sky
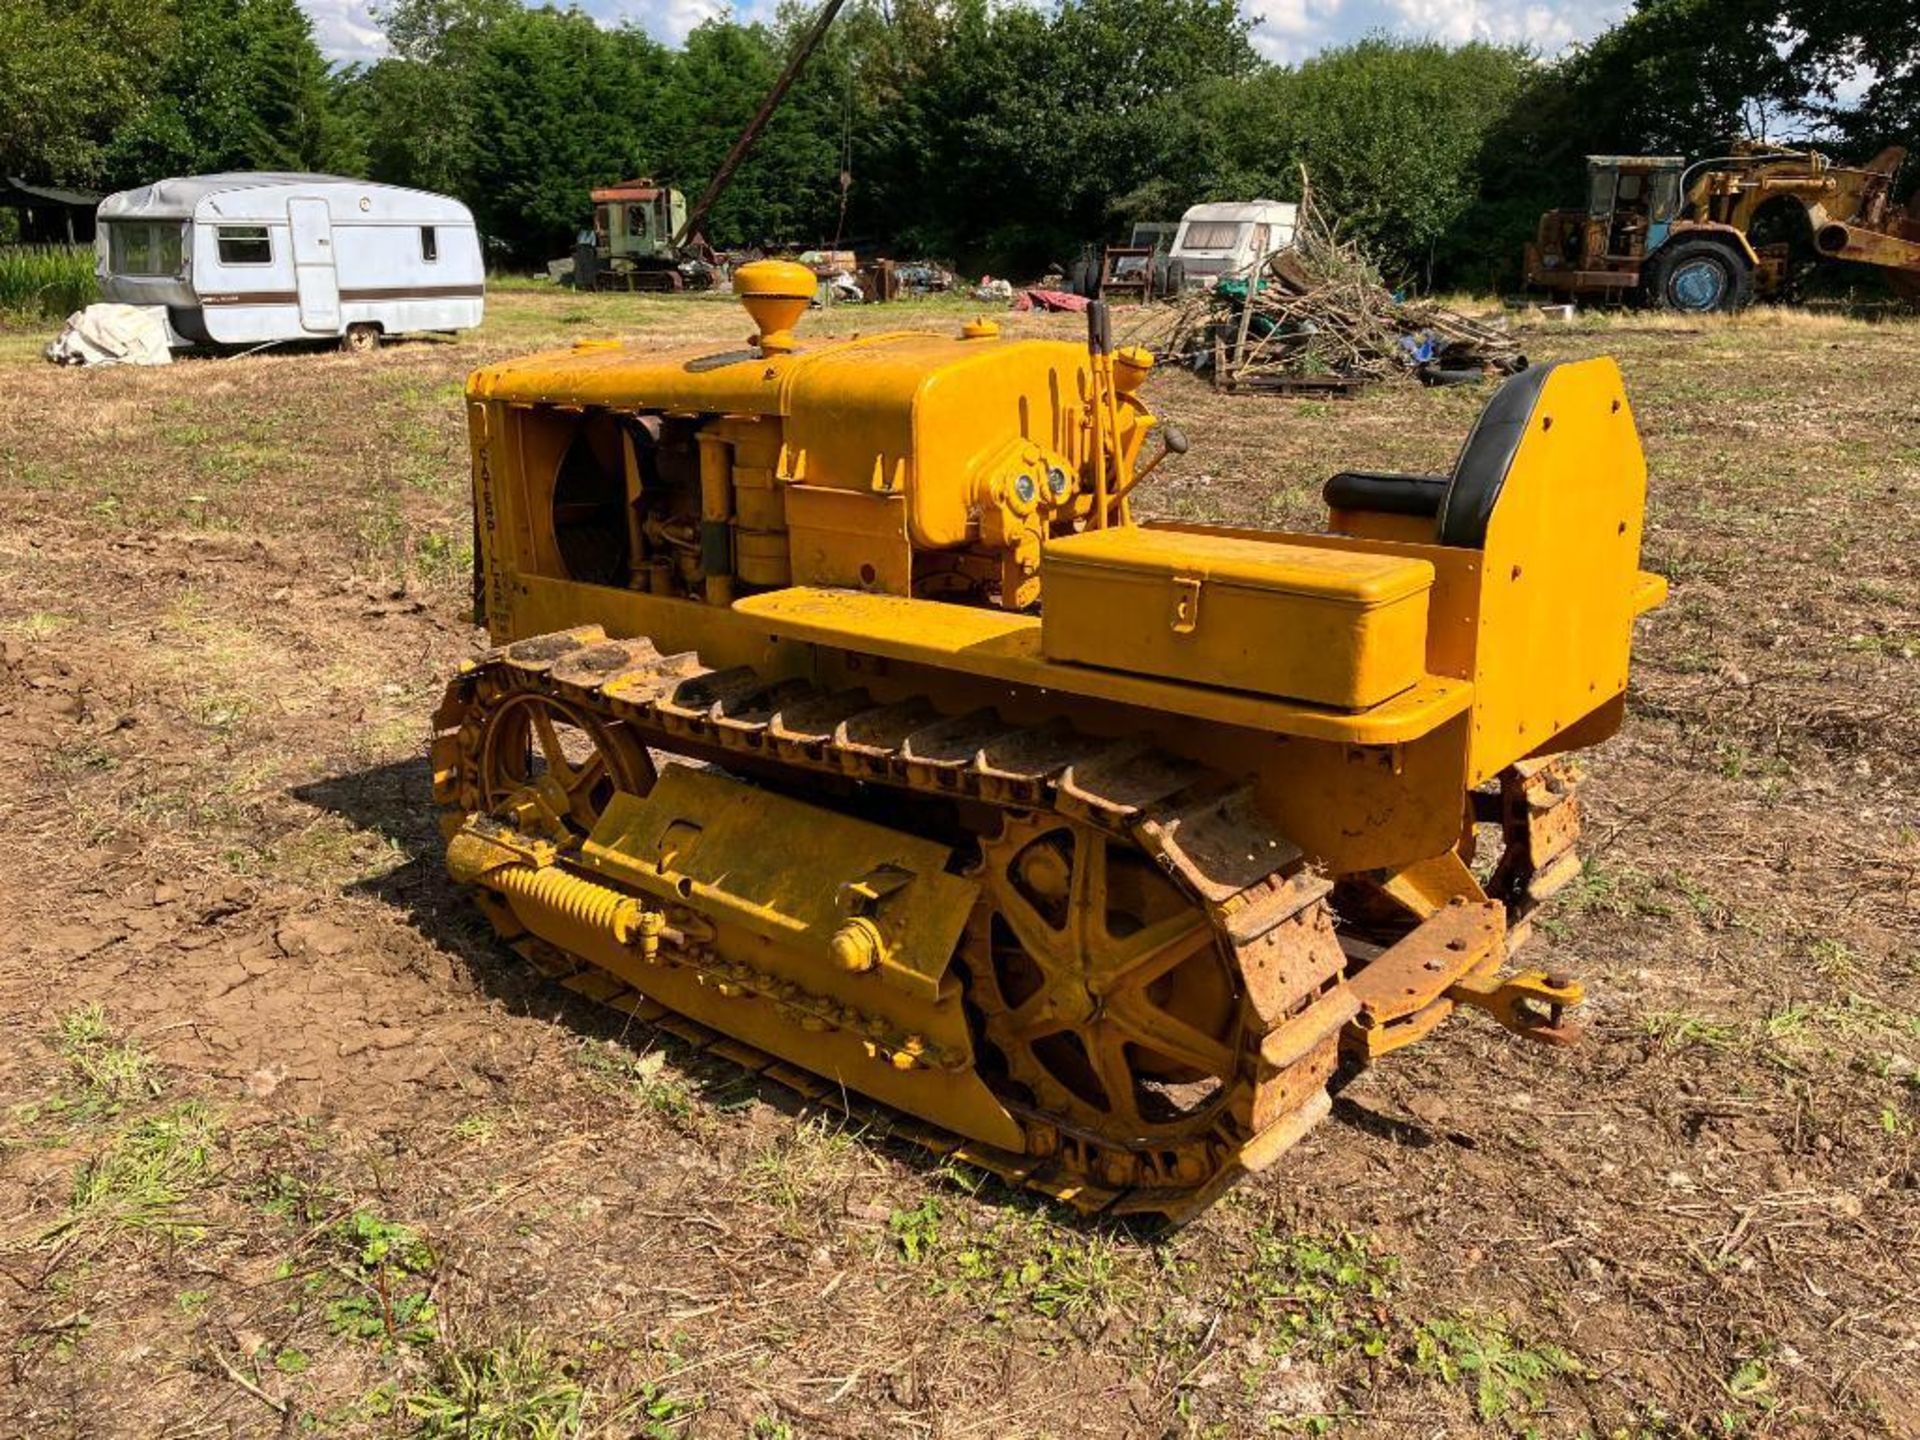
[[1283, 30]]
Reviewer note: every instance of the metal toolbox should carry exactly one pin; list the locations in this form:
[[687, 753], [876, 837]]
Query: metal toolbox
[[1295, 621]]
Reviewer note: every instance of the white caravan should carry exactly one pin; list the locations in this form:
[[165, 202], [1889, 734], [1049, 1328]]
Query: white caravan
[[254, 258], [1230, 237]]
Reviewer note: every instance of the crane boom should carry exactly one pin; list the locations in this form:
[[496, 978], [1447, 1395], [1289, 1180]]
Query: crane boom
[[697, 217]]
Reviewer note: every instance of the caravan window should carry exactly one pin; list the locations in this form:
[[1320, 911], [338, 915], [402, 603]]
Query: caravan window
[[429, 244], [145, 247], [245, 245], [1212, 235]]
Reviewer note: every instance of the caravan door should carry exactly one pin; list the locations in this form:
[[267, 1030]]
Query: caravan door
[[314, 276]]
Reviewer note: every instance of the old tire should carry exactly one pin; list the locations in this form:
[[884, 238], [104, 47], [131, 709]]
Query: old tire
[[362, 338], [1699, 277]]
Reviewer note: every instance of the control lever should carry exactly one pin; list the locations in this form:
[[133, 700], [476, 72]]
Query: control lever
[[1173, 441]]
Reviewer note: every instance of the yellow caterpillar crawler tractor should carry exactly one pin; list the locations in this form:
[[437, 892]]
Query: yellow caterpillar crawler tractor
[[843, 719]]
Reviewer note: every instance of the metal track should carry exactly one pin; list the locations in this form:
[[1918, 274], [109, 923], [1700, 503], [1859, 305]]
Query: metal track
[[1202, 828]]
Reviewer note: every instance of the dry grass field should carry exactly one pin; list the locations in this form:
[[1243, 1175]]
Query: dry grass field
[[289, 1145]]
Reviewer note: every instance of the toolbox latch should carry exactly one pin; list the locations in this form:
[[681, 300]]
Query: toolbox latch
[[1186, 604]]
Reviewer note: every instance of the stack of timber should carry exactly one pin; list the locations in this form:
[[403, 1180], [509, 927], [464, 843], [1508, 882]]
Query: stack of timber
[[1315, 319]]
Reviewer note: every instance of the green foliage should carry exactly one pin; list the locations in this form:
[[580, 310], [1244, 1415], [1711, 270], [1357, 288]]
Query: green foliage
[[788, 186], [386, 1268], [513, 1390], [1021, 1262], [1687, 76], [520, 1389], [143, 1180], [1325, 1293], [46, 282], [1389, 132], [111, 1071], [69, 70], [243, 88], [916, 1231], [1034, 1264], [801, 1166], [377, 1244], [1507, 1378], [560, 105], [1013, 173], [1677, 1030], [1003, 137]]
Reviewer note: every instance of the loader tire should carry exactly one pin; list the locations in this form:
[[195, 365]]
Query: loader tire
[[1699, 277]]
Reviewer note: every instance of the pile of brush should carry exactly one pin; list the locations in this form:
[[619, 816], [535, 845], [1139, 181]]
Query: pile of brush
[[1315, 318]]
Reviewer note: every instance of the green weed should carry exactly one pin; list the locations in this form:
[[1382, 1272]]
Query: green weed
[[111, 1071], [287, 1196], [1326, 1293], [143, 1179], [440, 559], [386, 1267], [807, 1159], [1022, 1262], [40, 625], [1610, 892], [383, 1244], [645, 1075], [475, 1129], [1835, 959], [1039, 1266], [516, 1390], [1508, 1379], [916, 1231], [520, 1389], [1676, 1030]]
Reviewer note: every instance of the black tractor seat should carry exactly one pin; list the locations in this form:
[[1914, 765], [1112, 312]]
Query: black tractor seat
[[1462, 503]]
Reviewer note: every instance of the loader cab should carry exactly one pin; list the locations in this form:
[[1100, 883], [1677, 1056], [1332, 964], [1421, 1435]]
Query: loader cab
[[1632, 202]]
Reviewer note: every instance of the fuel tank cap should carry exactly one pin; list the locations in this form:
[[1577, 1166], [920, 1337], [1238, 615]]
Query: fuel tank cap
[[776, 293]]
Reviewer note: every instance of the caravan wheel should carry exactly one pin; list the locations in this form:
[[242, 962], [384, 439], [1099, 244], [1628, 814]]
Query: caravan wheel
[[361, 339]]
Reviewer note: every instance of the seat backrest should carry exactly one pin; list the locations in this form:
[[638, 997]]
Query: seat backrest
[[1462, 503], [1480, 473]]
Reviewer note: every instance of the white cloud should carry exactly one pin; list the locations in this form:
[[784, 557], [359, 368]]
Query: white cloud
[[669, 20], [345, 30], [1284, 30], [1291, 30]]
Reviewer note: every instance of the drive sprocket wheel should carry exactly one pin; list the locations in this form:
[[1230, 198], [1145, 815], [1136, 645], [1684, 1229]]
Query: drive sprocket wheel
[[1108, 992], [511, 740]]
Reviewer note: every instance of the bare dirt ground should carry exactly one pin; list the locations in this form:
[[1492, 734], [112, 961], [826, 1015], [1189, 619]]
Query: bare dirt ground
[[289, 1145]]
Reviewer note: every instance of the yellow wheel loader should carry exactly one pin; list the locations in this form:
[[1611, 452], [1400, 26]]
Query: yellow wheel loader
[[1697, 237], [843, 719]]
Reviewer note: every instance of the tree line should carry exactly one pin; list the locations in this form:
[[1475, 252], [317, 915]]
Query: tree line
[[998, 136]]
